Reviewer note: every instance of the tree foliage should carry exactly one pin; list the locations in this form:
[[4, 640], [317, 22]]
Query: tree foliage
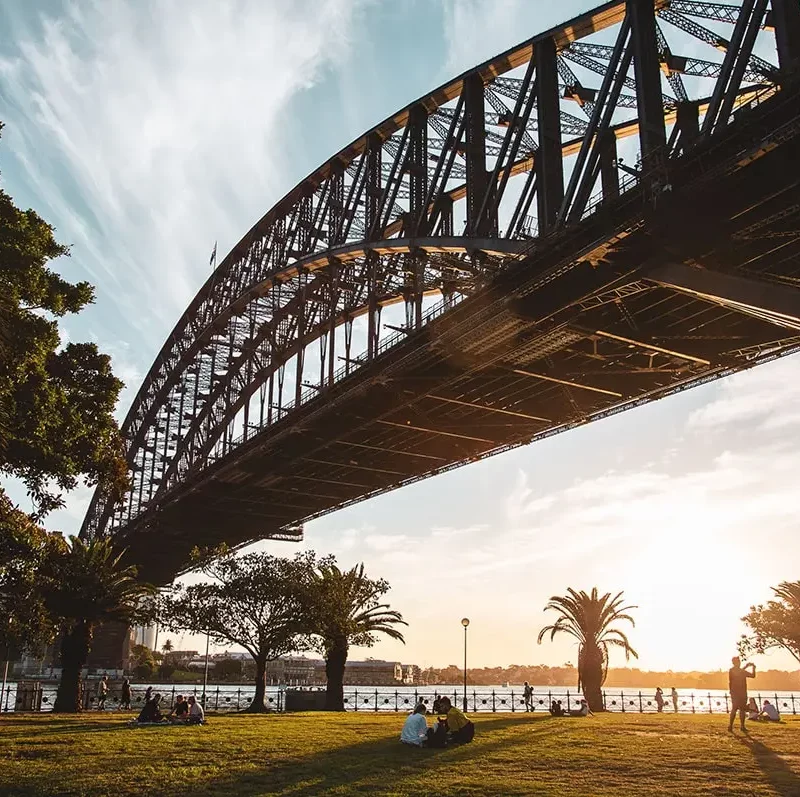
[[342, 608], [776, 625], [56, 404], [252, 601], [24, 549], [589, 619]]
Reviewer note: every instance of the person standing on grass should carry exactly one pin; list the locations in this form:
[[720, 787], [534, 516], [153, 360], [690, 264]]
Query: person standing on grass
[[102, 693], [125, 700], [675, 699], [737, 686], [660, 699], [527, 694]]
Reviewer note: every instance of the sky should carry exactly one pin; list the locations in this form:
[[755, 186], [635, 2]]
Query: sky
[[146, 130]]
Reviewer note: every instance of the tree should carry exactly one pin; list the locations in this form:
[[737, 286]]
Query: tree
[[589, 618], [226, 669], [56, 404], [341, 608], [251, 601], [776, 625], [142, 661], [26, 624], [167, 646], [84, 586]]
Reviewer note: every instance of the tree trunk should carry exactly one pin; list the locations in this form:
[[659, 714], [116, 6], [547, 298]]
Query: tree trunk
[[259, 703], [334, 670], [75, 646], [591, 676]]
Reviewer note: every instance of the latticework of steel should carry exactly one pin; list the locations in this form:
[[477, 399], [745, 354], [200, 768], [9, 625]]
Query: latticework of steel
[[468, 194]]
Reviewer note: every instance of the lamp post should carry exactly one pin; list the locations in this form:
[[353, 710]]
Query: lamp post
[[205, 671], [465, 623]]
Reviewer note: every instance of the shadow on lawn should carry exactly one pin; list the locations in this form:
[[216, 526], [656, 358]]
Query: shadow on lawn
[[780, 775], [366, 767], [31, 728]]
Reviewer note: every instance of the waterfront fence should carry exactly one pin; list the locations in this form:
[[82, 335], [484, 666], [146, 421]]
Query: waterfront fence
[[225, 698]]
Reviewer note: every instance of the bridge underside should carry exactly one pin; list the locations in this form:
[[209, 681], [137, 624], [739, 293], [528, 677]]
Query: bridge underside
[[651, 294]]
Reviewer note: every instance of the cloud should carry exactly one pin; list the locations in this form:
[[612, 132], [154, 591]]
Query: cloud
[[148, 130], [769, 396]]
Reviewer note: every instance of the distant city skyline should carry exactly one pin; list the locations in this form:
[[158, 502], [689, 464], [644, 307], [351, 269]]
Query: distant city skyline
[[144, 134]]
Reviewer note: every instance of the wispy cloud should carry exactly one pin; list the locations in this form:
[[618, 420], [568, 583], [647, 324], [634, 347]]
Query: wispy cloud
[[768, 397], [150, 129]]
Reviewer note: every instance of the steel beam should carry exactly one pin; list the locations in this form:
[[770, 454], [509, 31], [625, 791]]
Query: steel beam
[[385, 449], [647, 69], [487, 408], [643, 344], [777, 304], [477, 178], [609, 175], [549, 163], [433, 431], [785, 19], [567, 383]]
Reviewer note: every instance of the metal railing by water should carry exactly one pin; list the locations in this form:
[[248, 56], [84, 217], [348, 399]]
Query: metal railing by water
[[230, 698]]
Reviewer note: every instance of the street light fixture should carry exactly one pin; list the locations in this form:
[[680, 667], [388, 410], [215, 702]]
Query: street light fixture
[[465, 623]]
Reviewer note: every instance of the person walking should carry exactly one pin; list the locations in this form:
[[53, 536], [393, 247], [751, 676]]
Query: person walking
[[125, 700], [737, 687], [674, 696], [527, 694], [102, 693]]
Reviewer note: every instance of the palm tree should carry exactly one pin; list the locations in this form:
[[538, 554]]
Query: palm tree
[[85, 586], [342, 609], [589, 618], [167, 646]]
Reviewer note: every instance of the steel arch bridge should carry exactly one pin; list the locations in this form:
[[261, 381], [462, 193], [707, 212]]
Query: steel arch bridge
[[605, 214]]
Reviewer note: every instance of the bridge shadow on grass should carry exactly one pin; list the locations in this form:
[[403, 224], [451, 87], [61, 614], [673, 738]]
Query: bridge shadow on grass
[[774, 767], [377, 766]]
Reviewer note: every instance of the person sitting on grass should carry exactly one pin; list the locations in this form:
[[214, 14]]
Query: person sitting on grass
[[415, 729], [556, 709], [769, 713], [150, 712], [583, 711], [180, 711], [752, 709], [196, 714], [459, 725]]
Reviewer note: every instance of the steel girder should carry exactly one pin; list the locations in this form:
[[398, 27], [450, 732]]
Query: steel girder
[[381, 221]]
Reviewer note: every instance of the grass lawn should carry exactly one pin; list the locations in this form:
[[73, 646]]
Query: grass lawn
[[311, 754]]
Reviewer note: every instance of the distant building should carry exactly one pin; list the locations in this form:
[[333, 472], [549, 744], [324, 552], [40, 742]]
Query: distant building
[[411, 674], [373, 672], [293, 671]]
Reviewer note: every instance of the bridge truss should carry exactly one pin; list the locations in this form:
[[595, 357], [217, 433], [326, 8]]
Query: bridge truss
[[496, 223]]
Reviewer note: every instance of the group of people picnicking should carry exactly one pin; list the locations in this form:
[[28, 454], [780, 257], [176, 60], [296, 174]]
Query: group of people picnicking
[[452, 726], [186, 711]]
